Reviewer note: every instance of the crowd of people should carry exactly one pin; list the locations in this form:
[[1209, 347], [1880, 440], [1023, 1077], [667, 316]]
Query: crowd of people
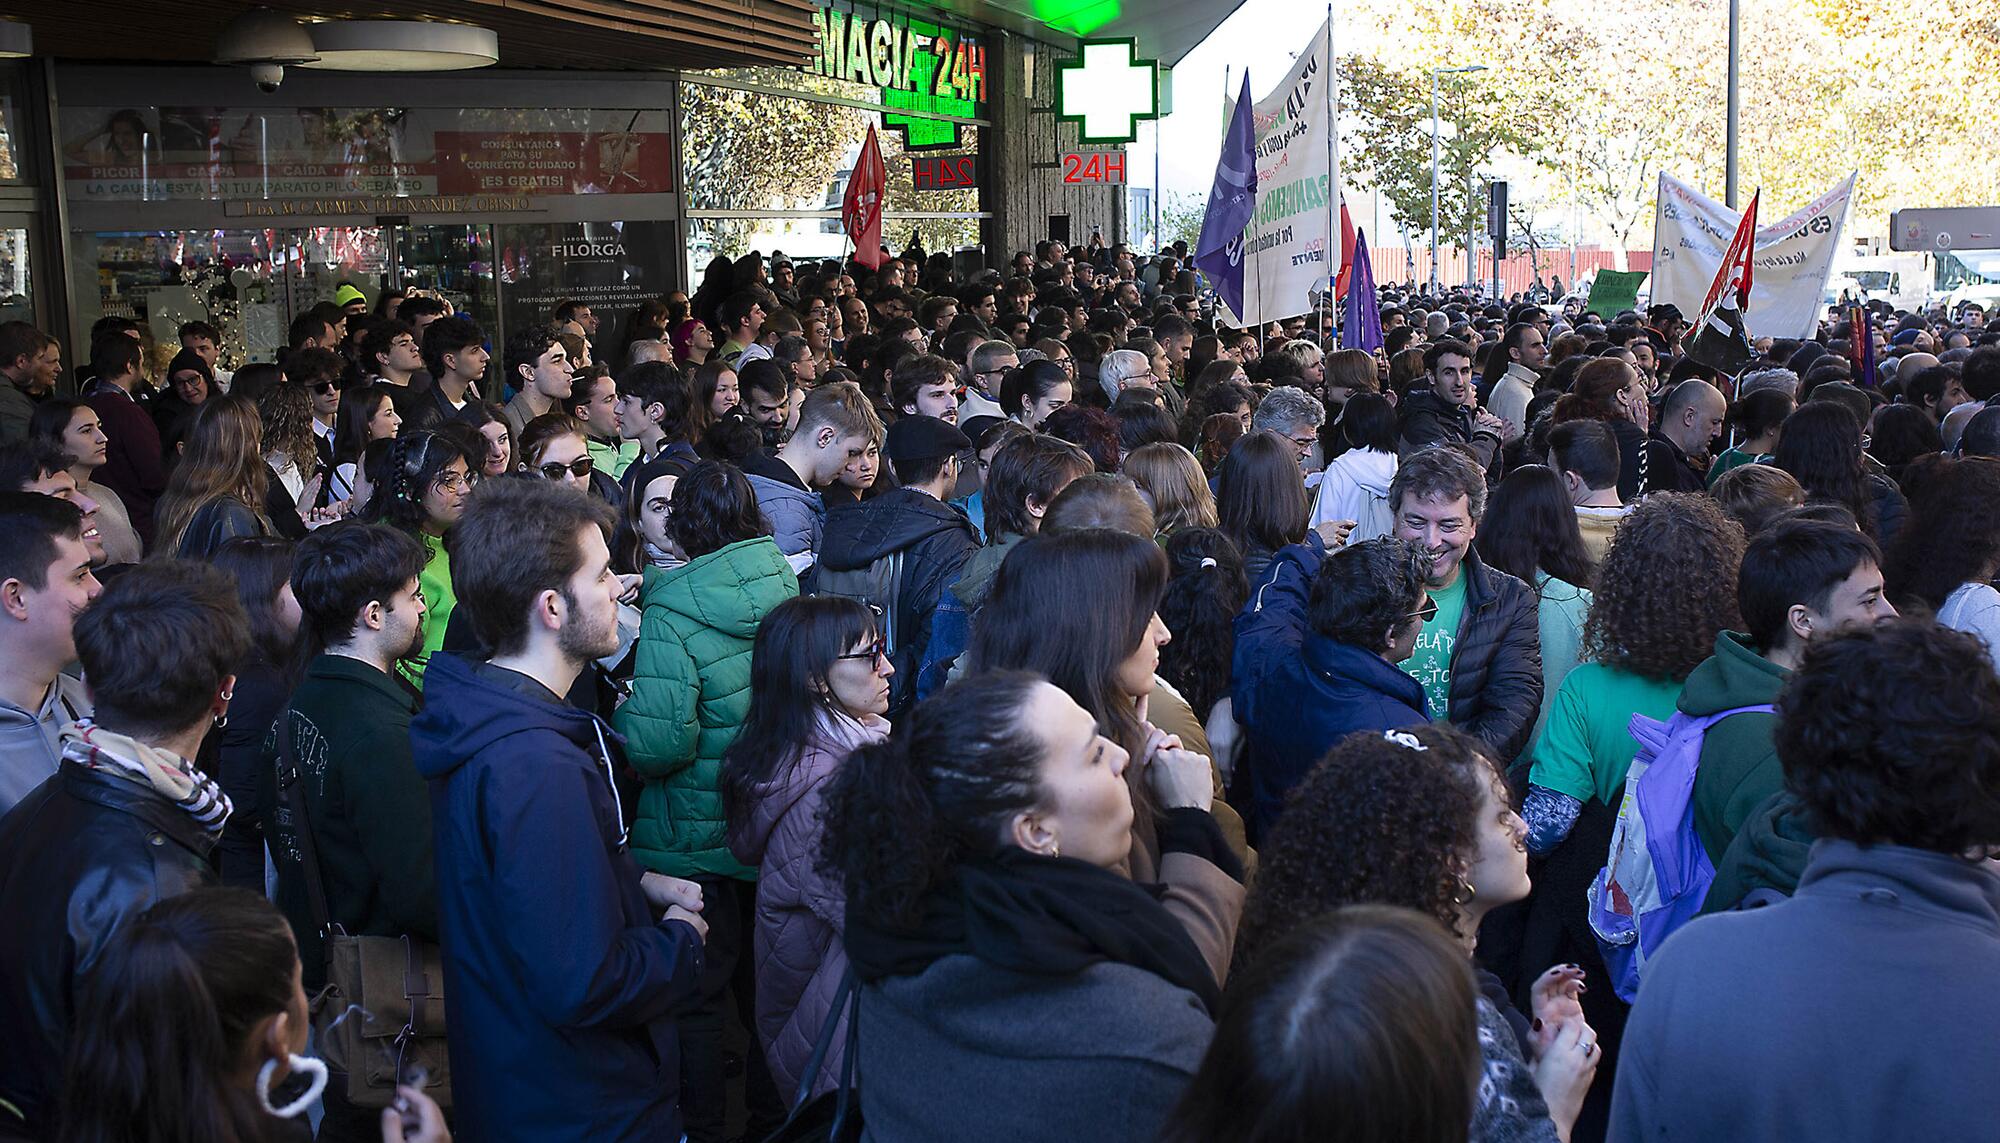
[[1023, 706]]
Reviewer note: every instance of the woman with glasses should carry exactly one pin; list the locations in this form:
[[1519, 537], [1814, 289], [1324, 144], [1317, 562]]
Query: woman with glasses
[[1318, 656], [819, 688], [367, 414], [690, 695], [426, 480], [554, 447]]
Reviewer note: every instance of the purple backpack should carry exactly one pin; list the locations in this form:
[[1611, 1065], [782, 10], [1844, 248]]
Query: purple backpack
[[1657, 872]]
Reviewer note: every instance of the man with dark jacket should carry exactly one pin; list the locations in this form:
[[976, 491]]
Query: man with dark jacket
[[349, 723], [447, 388], [1862, 1008], [127, 821], [1445, 412], [1479, 656], [899, 550], [349, 726], [560, 977], [133, 467], [1316, 659], [1690, 418]]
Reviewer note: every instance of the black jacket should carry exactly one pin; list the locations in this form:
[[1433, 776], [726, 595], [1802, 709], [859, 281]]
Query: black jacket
[[233, 753], [369, 809], [936, 539], [429, 409], [78, 857], [1427, 419], [1668, 469], [1496, 669]]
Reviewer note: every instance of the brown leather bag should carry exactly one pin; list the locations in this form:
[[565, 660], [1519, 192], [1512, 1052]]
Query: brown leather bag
[[380, 1019]]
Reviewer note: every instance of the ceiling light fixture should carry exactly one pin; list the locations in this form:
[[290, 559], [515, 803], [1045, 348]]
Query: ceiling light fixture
[[402, 45], [17, 40]]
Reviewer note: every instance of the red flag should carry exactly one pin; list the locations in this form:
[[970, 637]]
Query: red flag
[[1341, 279], [1734, 273], [861, 206]]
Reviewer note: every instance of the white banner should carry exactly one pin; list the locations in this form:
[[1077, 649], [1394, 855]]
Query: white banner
[[1793, 258], [1287, 257]]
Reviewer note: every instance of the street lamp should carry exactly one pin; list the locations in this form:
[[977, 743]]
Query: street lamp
[[1435, 73]]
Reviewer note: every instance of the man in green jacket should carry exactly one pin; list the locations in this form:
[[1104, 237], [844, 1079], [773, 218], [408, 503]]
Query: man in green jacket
[[1801, 580]]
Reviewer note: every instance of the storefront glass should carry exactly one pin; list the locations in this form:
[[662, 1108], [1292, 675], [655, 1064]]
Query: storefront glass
[[232, 279], [17, 287], [609, 266], [737, 200], [155, 154]]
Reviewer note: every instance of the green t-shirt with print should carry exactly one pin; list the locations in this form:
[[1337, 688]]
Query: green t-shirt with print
[[1430, 662]]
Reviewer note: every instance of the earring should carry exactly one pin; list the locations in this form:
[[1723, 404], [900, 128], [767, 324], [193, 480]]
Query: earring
[[316, 1083], [1465, 892], [1055, 848]]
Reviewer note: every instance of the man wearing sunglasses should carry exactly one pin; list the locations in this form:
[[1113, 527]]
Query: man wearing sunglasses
[[1317, 658]]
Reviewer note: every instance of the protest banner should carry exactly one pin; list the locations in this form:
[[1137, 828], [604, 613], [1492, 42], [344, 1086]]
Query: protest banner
[[1613, 291], [1793, 257], [1287, 257]]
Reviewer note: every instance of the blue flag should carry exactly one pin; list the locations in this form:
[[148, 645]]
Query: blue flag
[[1231, 204], [1361, 326]]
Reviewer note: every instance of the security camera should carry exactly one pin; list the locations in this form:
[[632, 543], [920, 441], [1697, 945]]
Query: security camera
[[267, 76]]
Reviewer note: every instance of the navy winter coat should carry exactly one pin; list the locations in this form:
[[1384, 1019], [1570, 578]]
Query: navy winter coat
[[1297, 693], [558, 980]]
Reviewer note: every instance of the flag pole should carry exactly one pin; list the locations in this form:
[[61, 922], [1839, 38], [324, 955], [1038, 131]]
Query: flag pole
[[1333, 250]]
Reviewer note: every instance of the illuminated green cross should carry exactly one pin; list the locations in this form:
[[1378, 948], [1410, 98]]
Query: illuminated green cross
[[1107, 91]]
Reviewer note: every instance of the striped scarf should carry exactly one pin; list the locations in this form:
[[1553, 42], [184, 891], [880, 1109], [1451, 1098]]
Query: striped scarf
[[168, 774]]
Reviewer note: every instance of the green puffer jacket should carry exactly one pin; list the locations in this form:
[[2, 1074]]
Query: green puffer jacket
[[690, 695]]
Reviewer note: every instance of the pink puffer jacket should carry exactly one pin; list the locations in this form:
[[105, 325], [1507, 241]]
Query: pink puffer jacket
[[800, 911]]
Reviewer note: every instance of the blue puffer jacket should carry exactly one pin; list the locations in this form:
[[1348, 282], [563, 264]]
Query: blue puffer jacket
[[1297, 693], [559, 983]]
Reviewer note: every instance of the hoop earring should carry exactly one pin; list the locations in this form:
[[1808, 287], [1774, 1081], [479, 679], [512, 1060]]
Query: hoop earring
[[315, 1069], [1465, 892]]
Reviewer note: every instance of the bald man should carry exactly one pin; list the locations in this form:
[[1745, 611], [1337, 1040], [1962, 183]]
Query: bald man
[[1690, 419]]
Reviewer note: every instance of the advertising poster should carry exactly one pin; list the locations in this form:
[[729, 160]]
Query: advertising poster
[[611, 266]]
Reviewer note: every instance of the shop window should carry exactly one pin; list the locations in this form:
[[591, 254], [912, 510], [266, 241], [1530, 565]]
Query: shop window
[[215, 153]]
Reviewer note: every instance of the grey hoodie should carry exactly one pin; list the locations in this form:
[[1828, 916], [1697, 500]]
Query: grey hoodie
[[29, 750]]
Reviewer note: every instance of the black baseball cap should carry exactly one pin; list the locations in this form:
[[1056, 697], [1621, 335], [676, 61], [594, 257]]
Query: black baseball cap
[[921, 438]]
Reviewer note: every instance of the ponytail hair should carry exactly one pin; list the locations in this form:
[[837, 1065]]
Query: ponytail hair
[[1206, 587], [902, 814], [161, 1028]]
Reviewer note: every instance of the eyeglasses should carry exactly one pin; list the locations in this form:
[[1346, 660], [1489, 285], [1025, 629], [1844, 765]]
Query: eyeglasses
[[1427, 612], [1303, 444], [579, 468], [454, 481], [879, 649]]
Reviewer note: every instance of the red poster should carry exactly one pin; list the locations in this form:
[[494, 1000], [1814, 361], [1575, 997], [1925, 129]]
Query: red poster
[[554, 162]]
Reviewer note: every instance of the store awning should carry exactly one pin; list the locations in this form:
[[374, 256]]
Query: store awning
[[1166, 30], [593, 34]]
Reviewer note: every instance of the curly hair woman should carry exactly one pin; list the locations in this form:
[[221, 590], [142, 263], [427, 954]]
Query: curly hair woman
[[1663, 595], [1946, 559], [1421, 819]]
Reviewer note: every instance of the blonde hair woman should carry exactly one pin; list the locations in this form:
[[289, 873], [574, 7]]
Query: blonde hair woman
[[217, 490], [1173, 483]]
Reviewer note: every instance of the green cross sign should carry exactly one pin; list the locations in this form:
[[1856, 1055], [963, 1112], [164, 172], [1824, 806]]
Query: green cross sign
[[1107, 91]]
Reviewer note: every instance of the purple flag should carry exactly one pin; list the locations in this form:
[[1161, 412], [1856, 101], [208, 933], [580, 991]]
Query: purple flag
[[1361, 328], [1232, 201]]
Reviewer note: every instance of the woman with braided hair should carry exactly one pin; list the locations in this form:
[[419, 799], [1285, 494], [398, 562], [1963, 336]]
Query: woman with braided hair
[[423, 493]]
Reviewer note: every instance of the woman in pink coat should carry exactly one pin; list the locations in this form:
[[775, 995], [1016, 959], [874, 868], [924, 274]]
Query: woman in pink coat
[[827, 650]]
